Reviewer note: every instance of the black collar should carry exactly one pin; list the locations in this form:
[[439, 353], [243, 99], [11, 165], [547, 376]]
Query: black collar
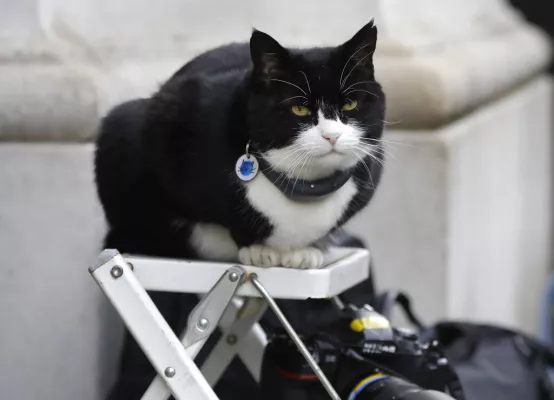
[[304, 190]]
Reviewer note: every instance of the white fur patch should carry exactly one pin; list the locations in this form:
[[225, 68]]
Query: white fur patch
[[311, 156], [213, 242], [297, 224]]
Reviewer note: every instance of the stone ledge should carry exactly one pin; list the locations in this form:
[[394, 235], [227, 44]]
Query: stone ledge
[[28, 49], [431, 89], [53, 92], [46, 102]]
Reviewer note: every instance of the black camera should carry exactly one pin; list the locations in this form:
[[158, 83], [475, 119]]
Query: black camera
[[364, 357]]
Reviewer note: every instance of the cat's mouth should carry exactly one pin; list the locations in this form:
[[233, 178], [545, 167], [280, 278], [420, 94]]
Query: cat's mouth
[[331, 152], [341, 158], [315, 164]]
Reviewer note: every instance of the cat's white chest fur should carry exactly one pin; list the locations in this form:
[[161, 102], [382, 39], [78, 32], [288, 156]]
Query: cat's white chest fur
[[297, 224]]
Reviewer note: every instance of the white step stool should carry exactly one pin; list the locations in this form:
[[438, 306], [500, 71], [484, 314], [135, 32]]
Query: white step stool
[[235, 301]]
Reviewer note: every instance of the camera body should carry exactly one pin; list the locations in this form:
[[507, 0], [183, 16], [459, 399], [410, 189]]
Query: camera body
[[364, 357]]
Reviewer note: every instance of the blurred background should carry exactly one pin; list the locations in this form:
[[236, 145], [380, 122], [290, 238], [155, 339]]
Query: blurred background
[[462, 221]]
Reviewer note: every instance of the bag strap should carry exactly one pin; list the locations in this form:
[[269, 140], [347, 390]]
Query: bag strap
[[387, 301]]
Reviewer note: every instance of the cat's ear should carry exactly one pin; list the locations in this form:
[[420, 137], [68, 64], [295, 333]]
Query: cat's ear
[[268, 56], [361, 46]]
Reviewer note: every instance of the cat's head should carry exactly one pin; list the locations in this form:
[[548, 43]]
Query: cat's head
[[312, 112]]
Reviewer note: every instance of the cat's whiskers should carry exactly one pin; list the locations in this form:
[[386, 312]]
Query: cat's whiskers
[[297, 170], [352, 70], [368, 173], [283, 173], [289, 173], [357, 83], [381, 150], [367, 148], [297, 149], [362, 125], [308, 159], [307, 83], [360, 90], [310, 167], [301, 153], [378, 147], [292, 167], [298, 175], [362, 160], [387, 156], [291, 151], [347, 61], [290, 83], [371, 154], [293, 97], [371, 151], [392, 142]]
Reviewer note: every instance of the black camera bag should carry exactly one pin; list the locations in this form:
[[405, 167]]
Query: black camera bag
[[491, 362]]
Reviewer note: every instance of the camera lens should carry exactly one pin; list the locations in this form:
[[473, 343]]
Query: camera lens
[[379, 387]]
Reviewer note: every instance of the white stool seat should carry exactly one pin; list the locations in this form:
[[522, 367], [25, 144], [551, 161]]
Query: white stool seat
[[343, 268], [125, 279]]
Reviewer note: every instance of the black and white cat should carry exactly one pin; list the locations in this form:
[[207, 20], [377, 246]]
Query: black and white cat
[[167, 171]]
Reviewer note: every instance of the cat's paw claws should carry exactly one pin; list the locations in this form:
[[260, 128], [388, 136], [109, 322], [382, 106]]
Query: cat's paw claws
[[309, 258], [264, 256], [260, 256]]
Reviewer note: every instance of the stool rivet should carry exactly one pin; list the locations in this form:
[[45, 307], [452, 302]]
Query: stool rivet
[[203, 324], [116, 272], [233, 277], [170, 372], [232, 339]]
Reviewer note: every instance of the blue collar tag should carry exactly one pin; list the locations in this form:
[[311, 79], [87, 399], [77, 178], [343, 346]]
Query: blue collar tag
[[247, 167]]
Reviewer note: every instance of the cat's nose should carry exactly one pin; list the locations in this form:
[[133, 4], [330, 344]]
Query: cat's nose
[[331, 137]]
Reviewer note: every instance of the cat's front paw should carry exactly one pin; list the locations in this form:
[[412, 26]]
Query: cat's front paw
[[259, 256], [308, 258], [265, 256]]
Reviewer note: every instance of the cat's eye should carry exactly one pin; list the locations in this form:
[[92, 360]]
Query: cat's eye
[[350, 106], [301, 111]]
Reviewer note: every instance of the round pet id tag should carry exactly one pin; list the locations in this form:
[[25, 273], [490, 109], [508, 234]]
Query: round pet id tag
[[247, 167]]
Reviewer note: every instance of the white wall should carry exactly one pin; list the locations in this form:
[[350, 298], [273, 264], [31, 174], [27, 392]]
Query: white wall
[[462, 220], [59, 336], [131, 26], [18, 17]]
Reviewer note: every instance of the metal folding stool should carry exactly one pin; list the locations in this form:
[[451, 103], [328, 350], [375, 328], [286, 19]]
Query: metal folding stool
[[235, 299]]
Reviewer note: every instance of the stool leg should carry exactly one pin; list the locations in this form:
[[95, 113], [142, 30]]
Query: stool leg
[[240, 330], [294, 336], [202, 321], [169, 358], [251, 350]]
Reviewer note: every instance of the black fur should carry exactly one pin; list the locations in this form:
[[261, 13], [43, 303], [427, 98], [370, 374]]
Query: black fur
[[166, 162]]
